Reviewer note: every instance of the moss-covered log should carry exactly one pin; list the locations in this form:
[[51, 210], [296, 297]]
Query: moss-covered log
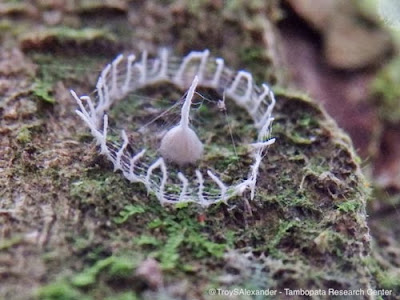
[[73, 229]]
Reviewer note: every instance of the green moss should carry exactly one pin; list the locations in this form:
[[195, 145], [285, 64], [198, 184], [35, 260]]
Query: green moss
[[389, 281], [122, 267], [127, 108], [169, 255], [9, 243], [73, 287], [251, 56], [43, 90], [184, 233], [53, 69], [309, 239], [349, 206], [5, 26], [15, 7], [84, 189], [113, 266], [123, 296], [52, 39], [205, 247], [282, 231], [298, 139], [88, 276], [386, 279], [288, 198], [386, 93], [93, 6], [13, 1], [128, 211], [65, 33], [329, 241], [24, 136], [147, 240], [60, 290]]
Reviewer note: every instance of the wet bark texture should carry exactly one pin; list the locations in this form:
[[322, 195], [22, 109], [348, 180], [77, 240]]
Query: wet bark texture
[[71, 228]]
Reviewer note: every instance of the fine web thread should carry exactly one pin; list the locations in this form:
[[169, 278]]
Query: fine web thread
[[127, 74]]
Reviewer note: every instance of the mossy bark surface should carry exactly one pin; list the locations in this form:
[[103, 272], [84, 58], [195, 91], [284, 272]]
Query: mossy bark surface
[[71, 228]]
